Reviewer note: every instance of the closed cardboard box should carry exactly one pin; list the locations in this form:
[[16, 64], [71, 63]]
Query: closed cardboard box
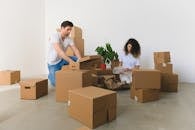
[[71, 79], [164, 67], [146, 79], [79, 43], [169, 82], [144, 95], [162, 57], [33, 88], [8, 77], [92, 106], [76, 32], [87, 62]]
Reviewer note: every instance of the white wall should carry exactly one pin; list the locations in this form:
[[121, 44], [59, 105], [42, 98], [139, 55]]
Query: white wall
[[22, 43], [159, 25]]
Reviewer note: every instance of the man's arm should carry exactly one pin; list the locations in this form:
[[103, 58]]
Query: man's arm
[[61, 53], [76, 51]]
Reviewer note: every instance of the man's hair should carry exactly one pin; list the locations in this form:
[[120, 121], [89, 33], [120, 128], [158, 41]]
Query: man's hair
[[135, 47], [66, 23]]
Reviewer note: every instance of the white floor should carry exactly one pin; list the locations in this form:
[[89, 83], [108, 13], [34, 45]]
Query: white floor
[[174, 111]]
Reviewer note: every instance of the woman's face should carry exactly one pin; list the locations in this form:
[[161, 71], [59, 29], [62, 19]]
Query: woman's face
[[129, 47]]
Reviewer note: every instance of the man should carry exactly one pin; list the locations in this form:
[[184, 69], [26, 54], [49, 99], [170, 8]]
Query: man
[[58, 43]]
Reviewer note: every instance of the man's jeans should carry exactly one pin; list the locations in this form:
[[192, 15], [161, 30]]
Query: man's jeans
[[53, 68]]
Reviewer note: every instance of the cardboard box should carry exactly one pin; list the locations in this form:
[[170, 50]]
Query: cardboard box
[[146, 78], [99, 71], [169, 82], [76, 32], [79, 43], [8, 77], [144, 95], [33, 88], [71, 79], [87, 62], [164, 67], [92, 106], [162, 57]]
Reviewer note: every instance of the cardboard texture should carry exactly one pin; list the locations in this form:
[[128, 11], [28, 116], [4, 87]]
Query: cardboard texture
[[169, 82], [79, 43], [76, 32], [144, 95], [33, 88], [71, 79], [92, 106], [99, 71], [87, 62], [146, 79], [161, 57], [164, 67], [8, 77]]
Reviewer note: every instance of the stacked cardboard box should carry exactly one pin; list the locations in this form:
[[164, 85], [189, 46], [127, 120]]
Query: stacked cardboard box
[[145, 85], [8, 77], [75, 76], [169, 80], [76, 35], [92, 106], [33, 88]]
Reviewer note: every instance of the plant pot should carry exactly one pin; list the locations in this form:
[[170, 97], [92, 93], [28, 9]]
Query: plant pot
[[103, 66]]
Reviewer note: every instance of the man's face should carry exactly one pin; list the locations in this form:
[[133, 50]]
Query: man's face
[[66, 31]]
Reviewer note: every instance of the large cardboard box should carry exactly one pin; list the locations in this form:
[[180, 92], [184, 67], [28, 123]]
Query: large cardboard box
[[162, 57], [146, 78], [76, 32], [33, 88], [144, 95], [169, 82], [8, 77], [79, 43], [71, 79], [92, 106], [164, 67], [87, 62]]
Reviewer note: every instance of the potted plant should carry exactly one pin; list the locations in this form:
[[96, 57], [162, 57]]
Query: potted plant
[[110, 57]]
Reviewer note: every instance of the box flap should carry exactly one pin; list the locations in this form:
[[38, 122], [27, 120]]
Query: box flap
[[30, 82], [91, 57]]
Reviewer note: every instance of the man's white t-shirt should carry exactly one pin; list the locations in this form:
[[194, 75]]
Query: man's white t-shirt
[[53, 58], [128, 61]]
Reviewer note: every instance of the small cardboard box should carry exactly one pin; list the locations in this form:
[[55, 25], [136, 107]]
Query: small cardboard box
[[33, 88], [164, 67], [76, 32], [79, 43], [8, 77], [87, 62], [146, 78], [92, 106], [144, 95], [99, 71], [169, 82], [71, 79], [161, 57]]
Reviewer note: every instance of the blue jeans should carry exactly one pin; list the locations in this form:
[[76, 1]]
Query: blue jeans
[[53, 68]]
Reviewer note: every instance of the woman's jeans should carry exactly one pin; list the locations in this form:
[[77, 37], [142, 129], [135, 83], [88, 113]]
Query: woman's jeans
[[53, 68]]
